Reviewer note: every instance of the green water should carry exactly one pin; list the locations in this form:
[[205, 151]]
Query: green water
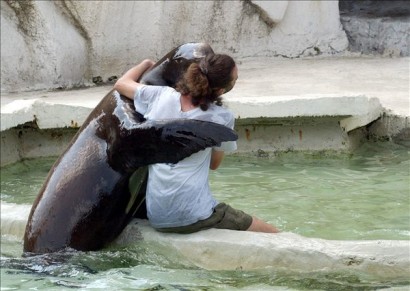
[[363, 196], [366, 196]]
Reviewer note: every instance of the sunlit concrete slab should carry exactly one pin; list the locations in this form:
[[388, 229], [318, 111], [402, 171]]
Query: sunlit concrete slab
[[56, 112], [56, 109], [362, 88], [387, 79], [281, 105], [217, 249]]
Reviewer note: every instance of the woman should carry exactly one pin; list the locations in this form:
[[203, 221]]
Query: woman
[[178, 195]]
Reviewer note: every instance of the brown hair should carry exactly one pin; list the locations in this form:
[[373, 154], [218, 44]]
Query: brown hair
[[203, 80]]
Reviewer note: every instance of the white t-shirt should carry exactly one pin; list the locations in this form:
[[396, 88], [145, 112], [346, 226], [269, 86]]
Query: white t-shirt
[[178, 194]]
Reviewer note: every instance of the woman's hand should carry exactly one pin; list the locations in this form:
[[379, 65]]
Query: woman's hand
[[128, 84], [149, 63]]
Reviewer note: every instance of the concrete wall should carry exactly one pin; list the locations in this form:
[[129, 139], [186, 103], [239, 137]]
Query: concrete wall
[[29, 142], [63, 44], [40, 47], [377, 26]]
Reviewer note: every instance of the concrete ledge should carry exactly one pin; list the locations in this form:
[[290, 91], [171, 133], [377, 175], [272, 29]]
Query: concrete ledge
[[217, 249], [57, 109], [304, 105], [362, 88], [30, 142], [264, 123], [313, 104], [71, 108], [353, 111]]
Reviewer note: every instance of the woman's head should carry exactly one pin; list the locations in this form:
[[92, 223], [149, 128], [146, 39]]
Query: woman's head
[[207, 80]]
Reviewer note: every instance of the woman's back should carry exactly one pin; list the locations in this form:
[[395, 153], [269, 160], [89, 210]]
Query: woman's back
[[179, 194]]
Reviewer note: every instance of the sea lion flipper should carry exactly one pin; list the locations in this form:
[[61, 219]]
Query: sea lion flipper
[[167, 141]]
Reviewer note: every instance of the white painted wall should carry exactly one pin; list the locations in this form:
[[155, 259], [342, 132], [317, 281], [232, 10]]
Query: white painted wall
[[40, 48], [51, 44]]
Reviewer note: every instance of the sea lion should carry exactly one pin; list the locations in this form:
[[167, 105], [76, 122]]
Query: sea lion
[[91, 192]]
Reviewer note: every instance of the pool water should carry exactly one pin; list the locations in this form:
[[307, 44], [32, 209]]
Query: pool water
[[365, 195]]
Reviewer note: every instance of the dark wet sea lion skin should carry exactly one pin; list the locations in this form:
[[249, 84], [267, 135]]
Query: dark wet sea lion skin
[[86, 200]]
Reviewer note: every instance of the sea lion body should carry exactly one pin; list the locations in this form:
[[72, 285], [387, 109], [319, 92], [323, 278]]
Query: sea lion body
[[98, 184]]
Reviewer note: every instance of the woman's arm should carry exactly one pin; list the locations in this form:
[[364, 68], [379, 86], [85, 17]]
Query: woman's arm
[[127, 85], [216, 159]]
